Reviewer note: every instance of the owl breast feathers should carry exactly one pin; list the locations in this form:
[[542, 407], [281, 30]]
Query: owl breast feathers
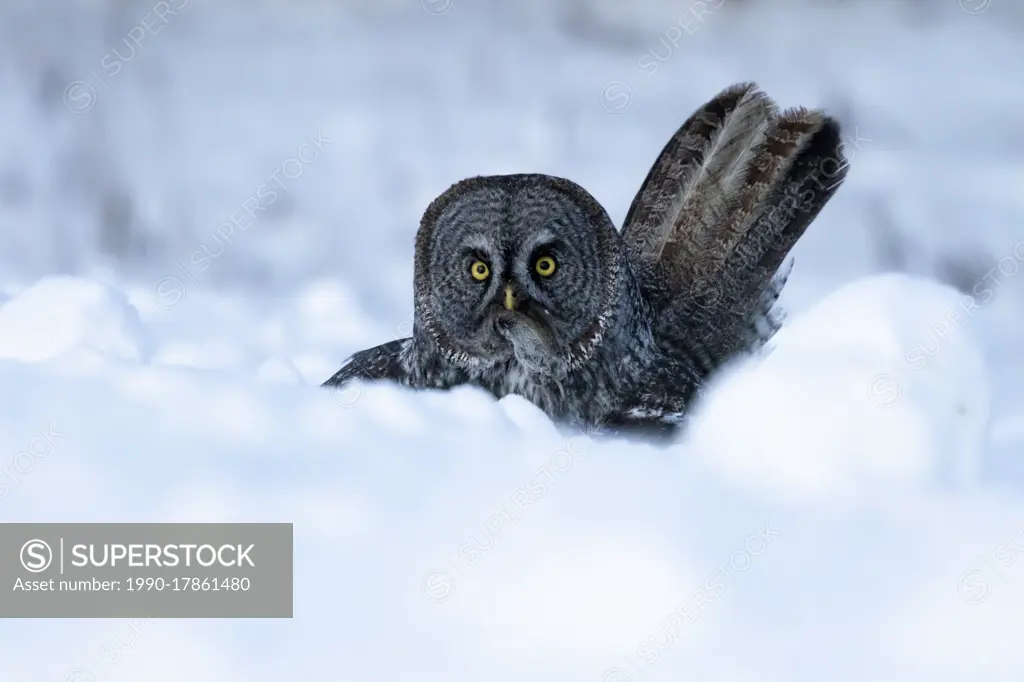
[[524, 286]]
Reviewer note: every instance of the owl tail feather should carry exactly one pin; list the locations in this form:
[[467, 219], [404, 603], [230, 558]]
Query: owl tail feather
[[681, 201], [725, 202]]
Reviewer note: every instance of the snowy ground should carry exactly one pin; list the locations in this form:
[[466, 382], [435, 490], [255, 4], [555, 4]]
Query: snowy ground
[[849, 509]]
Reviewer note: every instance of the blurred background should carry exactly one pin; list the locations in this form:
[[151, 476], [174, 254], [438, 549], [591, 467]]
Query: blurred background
[[254, 147]]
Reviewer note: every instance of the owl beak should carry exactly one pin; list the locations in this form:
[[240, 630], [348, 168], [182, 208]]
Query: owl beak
[[510, 297]]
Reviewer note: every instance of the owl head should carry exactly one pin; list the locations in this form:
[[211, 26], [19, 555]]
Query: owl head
[[517, 267]]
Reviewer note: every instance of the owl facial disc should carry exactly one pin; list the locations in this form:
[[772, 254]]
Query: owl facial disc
[[519, 267]]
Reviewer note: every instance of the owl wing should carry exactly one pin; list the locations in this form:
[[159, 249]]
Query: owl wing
[[724, 203], [386, 361]]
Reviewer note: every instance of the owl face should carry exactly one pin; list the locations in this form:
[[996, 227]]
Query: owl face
[[517, 266]]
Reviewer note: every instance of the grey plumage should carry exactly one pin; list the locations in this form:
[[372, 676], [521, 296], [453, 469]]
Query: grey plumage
[[606, 331]]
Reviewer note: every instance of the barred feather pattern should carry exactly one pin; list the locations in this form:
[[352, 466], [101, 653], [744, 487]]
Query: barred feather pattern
[[685, 196], [718, 273]]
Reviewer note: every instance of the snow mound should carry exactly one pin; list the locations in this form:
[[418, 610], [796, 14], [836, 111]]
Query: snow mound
[[279, 370], [208, 354], [60, 317], [880, 383], [471, 535]]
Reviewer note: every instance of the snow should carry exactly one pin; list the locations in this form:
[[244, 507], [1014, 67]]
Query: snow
[[847, 507], [467, 532], [64, 315], [882, 381]]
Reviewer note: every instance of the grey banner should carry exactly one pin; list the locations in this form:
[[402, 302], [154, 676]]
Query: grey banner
[[146, 570]]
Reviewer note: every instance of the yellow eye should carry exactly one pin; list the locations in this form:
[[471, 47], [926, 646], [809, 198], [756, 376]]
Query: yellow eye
[[545, 266], [479, 270]]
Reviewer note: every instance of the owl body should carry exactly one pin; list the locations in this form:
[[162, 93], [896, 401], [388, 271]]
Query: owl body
[[522, 284], [577, 342], [636, 389]]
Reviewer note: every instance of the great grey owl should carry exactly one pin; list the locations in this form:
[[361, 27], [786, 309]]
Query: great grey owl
[[524, 286]]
